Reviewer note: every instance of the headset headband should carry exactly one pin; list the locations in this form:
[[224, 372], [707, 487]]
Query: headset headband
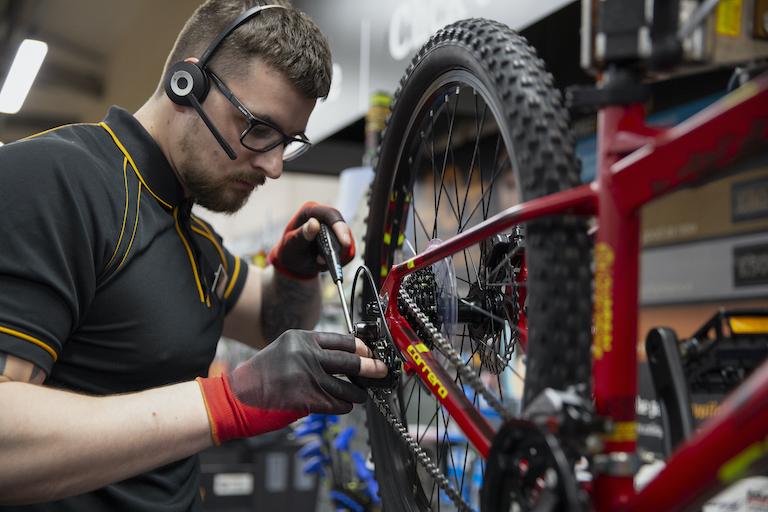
[[250, 13]]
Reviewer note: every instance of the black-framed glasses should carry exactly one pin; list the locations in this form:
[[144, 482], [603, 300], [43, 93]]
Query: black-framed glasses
[[261, 135]]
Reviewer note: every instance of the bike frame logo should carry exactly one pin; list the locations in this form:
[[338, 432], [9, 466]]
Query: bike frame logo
[[604, 258], [438, 387]]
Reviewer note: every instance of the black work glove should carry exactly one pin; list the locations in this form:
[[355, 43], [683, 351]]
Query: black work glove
[[296, 254], [290, 378]]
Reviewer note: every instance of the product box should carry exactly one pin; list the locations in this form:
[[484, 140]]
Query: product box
[[256, 474], [733, 205]]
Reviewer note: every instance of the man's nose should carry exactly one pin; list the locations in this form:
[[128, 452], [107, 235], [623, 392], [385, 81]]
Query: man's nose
[[270, 162]]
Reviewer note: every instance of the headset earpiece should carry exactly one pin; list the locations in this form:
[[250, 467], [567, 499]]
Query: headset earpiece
[[184, 79]]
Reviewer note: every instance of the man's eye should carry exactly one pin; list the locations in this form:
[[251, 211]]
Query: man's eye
[[262, 132]]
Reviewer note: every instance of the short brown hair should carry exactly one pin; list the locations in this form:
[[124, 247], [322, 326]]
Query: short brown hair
[[285, 39]]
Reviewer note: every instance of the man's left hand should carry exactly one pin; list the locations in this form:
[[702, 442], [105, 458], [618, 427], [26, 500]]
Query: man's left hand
[[297, 254]]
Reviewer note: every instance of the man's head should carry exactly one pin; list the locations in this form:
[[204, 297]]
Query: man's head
[[275, 65]]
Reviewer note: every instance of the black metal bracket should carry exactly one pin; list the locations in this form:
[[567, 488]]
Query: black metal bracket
[[670, 384], [618, 87]]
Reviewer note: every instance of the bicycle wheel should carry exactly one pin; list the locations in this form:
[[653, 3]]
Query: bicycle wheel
[[475, 127]]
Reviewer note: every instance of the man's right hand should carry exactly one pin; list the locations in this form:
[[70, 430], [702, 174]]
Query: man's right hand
[[292, 377]]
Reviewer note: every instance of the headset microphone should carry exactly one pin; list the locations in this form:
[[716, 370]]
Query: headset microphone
[[187, 83], [224, 144]]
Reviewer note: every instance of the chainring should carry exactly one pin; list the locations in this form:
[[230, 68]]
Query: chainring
[[528, 471]]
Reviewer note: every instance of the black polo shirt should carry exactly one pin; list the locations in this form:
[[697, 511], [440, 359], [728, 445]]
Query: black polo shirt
[[107, 282]]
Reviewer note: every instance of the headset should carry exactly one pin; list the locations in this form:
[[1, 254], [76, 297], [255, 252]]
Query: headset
[[187, 83]]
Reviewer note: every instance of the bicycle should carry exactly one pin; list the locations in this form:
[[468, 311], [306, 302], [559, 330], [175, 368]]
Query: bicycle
[[471, 295]]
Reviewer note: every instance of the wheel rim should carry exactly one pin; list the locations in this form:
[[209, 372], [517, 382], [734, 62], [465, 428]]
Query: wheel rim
[[454, 157]]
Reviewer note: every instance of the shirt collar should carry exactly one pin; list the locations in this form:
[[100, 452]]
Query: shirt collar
[[145, 155]]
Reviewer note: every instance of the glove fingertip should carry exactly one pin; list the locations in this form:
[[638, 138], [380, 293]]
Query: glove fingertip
[[344, 408]]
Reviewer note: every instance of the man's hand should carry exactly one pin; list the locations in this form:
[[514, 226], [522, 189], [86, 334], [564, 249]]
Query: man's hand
[[288, 380], [296, 254]]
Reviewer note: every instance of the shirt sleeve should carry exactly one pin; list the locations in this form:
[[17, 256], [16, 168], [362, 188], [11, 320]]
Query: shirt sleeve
[[236, 281], [50, 246]]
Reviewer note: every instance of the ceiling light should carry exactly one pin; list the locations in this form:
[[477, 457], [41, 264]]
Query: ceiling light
[[22, 74]]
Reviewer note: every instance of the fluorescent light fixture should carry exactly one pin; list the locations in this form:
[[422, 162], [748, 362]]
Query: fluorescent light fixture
[[23, 71]]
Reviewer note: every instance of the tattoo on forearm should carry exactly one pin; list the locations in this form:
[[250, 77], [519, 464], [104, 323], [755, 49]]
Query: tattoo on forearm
[[287, 304]]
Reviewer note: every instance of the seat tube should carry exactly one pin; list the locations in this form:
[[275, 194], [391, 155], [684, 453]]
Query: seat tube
[[614, 347]]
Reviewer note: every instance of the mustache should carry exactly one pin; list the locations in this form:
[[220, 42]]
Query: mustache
[[250, 177]]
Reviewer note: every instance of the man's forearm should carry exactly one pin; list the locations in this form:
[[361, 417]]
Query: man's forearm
[[288, 304], [56, 444]]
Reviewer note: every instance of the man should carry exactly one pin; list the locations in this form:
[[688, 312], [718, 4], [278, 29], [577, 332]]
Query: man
[[113, 296]]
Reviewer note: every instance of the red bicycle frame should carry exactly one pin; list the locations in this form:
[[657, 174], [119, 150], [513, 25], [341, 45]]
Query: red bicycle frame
[[636, 164]]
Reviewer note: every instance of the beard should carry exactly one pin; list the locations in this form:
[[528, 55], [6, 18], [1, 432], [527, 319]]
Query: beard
[[212, 189]]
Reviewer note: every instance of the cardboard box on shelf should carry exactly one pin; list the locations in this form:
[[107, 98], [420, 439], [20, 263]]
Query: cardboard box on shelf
[[734, 205]]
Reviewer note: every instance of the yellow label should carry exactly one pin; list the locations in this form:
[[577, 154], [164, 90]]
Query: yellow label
[[421, 365], [411, 264], [739, 465], [400, 239], [384, 271], [387, 238], [623, 431], [422, 347], [604, 258], [703, 411], [729, 18], [749, 325]]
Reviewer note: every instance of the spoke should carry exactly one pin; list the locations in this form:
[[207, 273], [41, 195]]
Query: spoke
[[418, 411], [455, 188], [462, 280], [445, 159], [426, 428], [474, 268], [482, 311], [508, 283], [421, 223], [466, 449], [493, 166], [503, 262], [482, 198], [464, 468], [437, 441], [515, 372], [474, 155], [500, 385], [410, 396], [447, 197], [434, 170], [474, 353], [413, 220], [449, 448], [464, 336]]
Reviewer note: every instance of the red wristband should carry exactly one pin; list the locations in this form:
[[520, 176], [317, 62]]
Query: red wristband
[[231, 419]]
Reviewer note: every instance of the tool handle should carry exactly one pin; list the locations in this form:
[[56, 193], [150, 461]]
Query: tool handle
[[330, 249]]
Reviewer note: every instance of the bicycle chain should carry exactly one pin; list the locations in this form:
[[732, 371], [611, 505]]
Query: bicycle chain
[[467, 375], [419, 453]]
